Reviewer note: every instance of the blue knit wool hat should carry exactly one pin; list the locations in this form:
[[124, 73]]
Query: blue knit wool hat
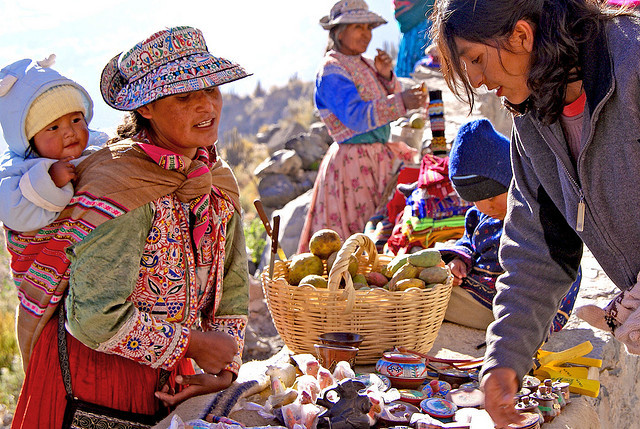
[[479, 161]]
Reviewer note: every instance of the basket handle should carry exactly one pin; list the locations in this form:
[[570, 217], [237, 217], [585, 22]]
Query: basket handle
[[356, 244]]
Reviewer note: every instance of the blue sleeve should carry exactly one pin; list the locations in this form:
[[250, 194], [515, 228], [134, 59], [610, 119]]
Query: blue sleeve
[[339, 95], [30, 199], [464, 247]]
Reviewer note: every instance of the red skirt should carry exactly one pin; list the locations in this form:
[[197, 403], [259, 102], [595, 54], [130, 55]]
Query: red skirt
[[96, 377]]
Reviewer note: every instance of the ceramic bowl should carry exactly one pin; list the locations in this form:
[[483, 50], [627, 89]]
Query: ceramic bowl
[[398, 412], [412, 396], [466, 397], [454, 377], [341, 339], [436, 387], [530, 421], [439, 408], [407, 383], [329, 356], [379, 381]]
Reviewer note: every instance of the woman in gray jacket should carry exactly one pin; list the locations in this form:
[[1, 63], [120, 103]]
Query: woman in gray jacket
[[568, 70]]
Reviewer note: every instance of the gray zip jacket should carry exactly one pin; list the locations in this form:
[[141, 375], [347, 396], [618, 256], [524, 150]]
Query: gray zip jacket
[[542, 242]]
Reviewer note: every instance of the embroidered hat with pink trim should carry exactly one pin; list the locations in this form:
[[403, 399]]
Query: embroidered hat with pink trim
[[171, 61], [351, 12]]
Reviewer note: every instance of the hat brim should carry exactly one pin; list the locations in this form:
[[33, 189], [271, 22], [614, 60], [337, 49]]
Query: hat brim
[[186, 74], [356, 17]]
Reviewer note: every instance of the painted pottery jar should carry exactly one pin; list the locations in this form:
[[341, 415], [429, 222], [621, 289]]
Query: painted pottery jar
[[564, 388], [547, 405], [557, 395], [401, 365], [526, 404]]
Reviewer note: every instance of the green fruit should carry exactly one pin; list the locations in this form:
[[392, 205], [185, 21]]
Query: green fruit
[[396, 263], [407, 271], [434, 275], [324, 242], [409, 283], [302, 265], [417, 121], [314, 280], [360, 278], [425, 258]]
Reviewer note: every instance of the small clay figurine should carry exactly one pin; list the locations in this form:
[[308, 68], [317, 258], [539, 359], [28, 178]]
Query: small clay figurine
[[350, 412]]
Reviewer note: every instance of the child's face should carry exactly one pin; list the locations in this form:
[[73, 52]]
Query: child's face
[[65, 137], [496, 207]]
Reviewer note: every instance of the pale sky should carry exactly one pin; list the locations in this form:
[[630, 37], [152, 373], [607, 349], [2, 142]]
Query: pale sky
[[273, 39]]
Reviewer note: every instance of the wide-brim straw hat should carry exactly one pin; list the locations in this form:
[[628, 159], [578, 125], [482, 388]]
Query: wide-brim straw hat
[[171, 61], [351, 12]]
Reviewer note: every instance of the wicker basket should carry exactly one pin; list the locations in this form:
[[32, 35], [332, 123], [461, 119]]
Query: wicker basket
[[385, 319]]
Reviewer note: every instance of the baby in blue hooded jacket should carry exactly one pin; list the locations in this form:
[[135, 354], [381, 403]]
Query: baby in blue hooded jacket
[[44, 118]]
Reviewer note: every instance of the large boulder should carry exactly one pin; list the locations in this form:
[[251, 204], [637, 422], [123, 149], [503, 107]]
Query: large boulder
[[276, 190], [320, 129], [282, 135], [310, 148], [285, 161]]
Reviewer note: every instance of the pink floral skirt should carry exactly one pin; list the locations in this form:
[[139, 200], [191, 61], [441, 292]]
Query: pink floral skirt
[[350, 186]]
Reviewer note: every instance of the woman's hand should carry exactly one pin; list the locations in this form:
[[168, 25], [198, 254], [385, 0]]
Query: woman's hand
[[211, 350], [414, 97], [458, 269], [197, 384], [384, 64], [500, 386]]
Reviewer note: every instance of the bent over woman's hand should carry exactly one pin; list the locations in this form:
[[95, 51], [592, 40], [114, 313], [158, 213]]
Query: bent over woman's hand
[[212, 350], [500, 386]]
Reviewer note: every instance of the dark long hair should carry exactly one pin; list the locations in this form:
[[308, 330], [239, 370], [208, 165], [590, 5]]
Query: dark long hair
[[132, 125], [561, 27]]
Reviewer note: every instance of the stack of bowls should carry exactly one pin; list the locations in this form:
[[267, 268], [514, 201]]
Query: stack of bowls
[[337, 346]]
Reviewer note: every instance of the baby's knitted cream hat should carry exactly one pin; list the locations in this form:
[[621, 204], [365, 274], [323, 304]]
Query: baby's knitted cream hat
[[51, 105]]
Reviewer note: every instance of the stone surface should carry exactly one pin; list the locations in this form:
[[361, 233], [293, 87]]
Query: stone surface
[[284, 161]]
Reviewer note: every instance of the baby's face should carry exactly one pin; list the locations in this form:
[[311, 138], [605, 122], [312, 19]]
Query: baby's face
[[65, 137]]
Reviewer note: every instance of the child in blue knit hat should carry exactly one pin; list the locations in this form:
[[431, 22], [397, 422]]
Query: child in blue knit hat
[[480, 171], [44, 118]]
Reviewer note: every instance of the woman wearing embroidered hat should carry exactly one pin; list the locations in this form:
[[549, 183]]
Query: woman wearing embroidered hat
[[357, 98], [148, 263]]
